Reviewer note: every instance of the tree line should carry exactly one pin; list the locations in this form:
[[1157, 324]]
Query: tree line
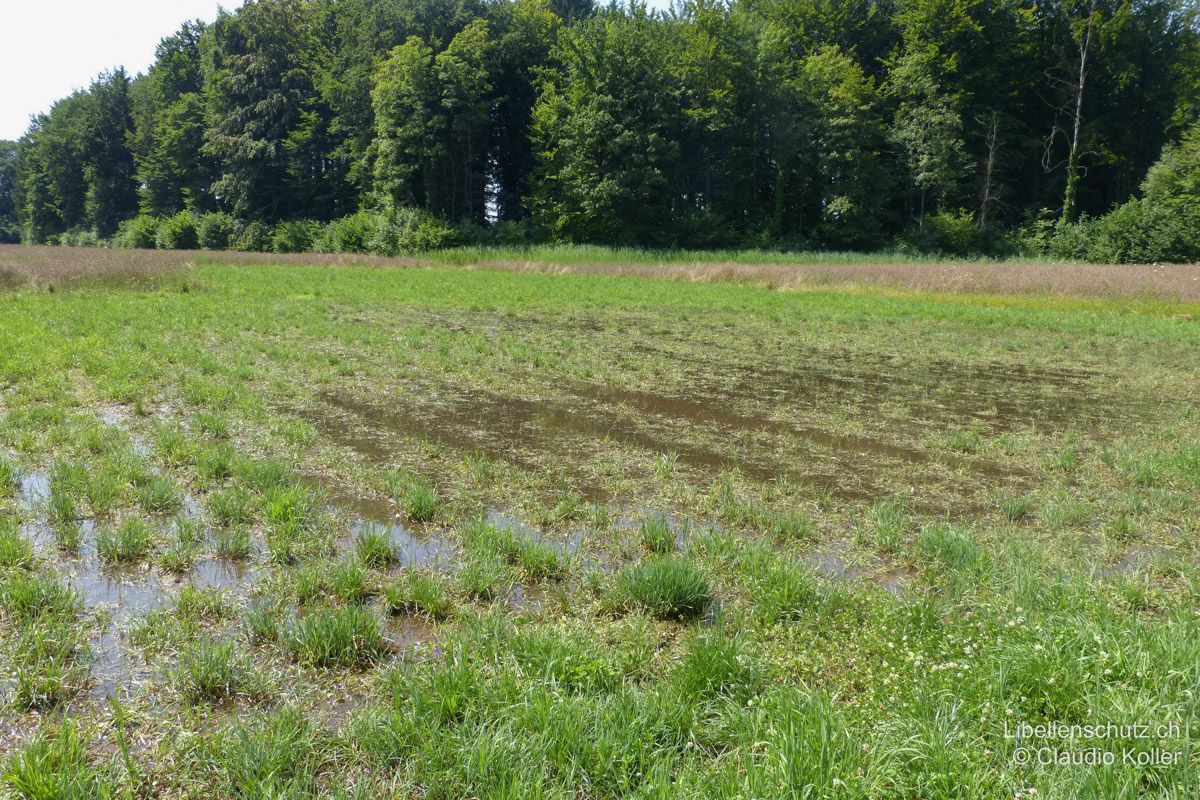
[[951, 125]]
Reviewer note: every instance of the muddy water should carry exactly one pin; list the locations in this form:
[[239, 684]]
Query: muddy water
[[560, 433], [765, 411], [524, 433], [937, 394], [415, 550]]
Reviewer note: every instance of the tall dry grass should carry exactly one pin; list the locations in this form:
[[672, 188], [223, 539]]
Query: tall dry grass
[[43, 266]]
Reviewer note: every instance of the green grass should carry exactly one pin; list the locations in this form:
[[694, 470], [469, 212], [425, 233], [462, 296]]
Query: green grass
[[414, 494], [129, 543], [15, 550], [669, 588], [418, 593], [657, 537], [375, 548], [536, 560], [160, 495], [910, 518], [232, 543], [340, 637], [210, 671]]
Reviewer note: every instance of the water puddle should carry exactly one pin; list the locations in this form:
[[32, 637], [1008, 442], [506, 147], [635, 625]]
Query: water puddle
[[831, 563], [414, 550], [1141, 557], [721, 422], [34, 490]]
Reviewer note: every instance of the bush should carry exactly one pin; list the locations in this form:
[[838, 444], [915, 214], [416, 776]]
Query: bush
[[403, 231], [1141, 232], [139, 232], [218, 231], [1175, 177], [946, 233], [177, 232], [295, 236], [1138, 232], [80, 237], [352, 234], [254, 238]]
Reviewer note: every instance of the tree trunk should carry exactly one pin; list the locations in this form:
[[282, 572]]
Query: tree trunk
[[1070, 196]]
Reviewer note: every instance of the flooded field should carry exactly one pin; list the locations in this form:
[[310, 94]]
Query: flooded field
[[298, 531]]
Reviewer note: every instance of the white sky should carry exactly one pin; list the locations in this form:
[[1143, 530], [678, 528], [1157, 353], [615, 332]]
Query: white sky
[[49, 48]]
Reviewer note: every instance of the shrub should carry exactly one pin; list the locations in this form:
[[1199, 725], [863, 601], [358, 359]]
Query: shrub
[[1175, 177], [139, 232], [294, 236], [669, 588], [1141, 232], [80, 237], [218, 231], [254, 238], [946, 233], [351, 234], [177, 232], [401, 231]]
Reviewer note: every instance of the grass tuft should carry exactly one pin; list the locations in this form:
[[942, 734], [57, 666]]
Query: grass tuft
[[670, 588], [339, 637], [375, 548], [416, 496], [418, 593], [128, 544]]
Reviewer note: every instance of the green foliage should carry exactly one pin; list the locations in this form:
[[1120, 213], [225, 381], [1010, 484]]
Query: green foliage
[[405, 231], [217, 231], [1138, 232], [139, 232], [10, 223], [351, 234], [748, 123], [294, 237], [254, 238], [1175, 177], [947, 234], [177, 232]]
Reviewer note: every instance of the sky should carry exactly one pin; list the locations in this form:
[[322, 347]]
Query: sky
[[49, 48]]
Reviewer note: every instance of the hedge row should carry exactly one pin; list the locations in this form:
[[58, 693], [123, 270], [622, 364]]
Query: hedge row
[[386, 233]]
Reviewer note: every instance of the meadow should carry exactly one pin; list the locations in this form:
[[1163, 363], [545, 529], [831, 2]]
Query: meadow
[[500, 525]]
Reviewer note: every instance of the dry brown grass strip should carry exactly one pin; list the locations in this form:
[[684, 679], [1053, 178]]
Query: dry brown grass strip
[[41, 266], [1172, 282]]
